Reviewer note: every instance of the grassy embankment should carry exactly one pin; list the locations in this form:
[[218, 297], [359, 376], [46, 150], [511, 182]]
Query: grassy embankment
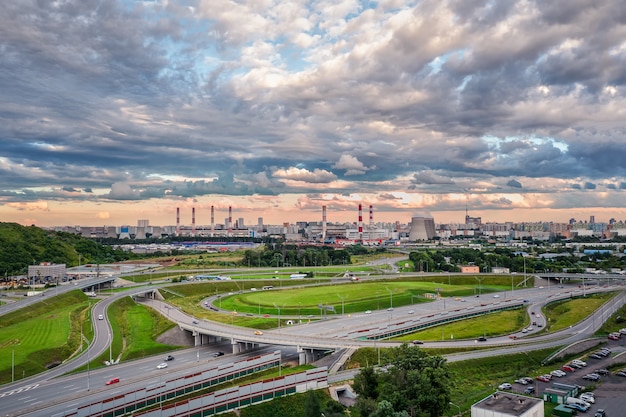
[[43, 335], [135, 330]]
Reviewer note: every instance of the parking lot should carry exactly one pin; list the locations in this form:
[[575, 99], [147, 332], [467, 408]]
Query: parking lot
[[610, 390]]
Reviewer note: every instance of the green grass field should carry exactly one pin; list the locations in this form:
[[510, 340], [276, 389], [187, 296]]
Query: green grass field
[[42, 336], [563, 314]]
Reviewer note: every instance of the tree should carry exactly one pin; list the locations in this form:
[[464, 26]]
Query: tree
[[312, 407], [366, 383], [415, 383]]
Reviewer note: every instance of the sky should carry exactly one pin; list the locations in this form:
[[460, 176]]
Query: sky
[[113, 110]]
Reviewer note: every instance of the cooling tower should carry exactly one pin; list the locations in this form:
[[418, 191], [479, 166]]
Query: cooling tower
[[422, 228]]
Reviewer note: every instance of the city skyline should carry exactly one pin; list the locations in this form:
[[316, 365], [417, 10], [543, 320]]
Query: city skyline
[[115, 110]]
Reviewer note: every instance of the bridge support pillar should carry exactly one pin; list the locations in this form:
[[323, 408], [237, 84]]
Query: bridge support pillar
[[236, 346], [197, 339], [301, 356]]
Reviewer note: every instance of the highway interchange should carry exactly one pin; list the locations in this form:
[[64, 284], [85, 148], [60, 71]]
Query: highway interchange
[[54, 391]]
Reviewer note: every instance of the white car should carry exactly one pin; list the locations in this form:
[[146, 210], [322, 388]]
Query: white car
[[558, 373], [586, 397], [504, 386], [162, 365], [579, 362]]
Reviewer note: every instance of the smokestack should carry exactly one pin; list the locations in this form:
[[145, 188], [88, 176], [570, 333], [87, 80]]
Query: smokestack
[[177, 221], [193, 221], [360, 222], [212, 221], [371, 228], [323, 223], [230, 220]]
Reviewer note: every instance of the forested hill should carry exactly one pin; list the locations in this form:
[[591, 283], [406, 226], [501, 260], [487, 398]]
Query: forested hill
[[21, 246]]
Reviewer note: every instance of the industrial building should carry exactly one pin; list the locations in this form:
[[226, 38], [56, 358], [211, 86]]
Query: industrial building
[[506, 404]]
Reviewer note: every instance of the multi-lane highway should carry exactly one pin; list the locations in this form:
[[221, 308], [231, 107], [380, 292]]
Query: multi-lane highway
[[32, 395]]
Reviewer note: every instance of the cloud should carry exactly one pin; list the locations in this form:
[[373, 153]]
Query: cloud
[[514, 184], [213, 98], [351, 165], [318, 176]]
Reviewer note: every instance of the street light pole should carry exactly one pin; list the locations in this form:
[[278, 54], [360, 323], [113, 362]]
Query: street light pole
[[459, 408], [390, 297], [342, 298]]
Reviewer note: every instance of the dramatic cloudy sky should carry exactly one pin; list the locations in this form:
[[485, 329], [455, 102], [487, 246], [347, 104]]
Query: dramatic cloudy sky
[[113, 111]]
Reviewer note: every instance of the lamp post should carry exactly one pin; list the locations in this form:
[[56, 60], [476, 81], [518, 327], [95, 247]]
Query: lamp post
[[390, 297], [342, 298], [459, 408]]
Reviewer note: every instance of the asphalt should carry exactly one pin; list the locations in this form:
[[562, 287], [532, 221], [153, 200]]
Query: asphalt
[[610, 391]]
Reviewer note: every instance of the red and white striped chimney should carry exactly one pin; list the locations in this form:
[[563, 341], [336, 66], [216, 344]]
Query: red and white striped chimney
[[212, 221], [230, 220], [193, 221], [177, 221], [323, 223], [360, 222]]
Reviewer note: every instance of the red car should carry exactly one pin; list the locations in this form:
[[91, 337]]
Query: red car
[[568, 368], [543, 378], [112, 381]]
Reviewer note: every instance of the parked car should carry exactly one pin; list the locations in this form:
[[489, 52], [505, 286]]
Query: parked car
[[620, 373], [592, 377], [577, 407], [586, 397], [558, 373], [112, 381], [568, 368], [595, 356], [602, 371], [521, 381], [505, 386], [528, 379], [529, 390], [600, 413], [612, 336], [579, 362], [543, 378], [162, 365]]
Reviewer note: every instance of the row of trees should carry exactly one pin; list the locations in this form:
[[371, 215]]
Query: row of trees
[[450, 260]]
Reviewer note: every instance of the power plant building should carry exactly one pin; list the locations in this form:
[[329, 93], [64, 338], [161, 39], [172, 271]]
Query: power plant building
[[422, 228]]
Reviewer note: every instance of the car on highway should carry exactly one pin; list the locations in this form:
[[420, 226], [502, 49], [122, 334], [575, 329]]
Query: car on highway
[[368, 311], [100, 317], [417, 342], [162, 365], [112, 381], [169, 358], [216, 354], [505, 386], [195, 321], [482, 339], [258, 332], [411, 311]]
